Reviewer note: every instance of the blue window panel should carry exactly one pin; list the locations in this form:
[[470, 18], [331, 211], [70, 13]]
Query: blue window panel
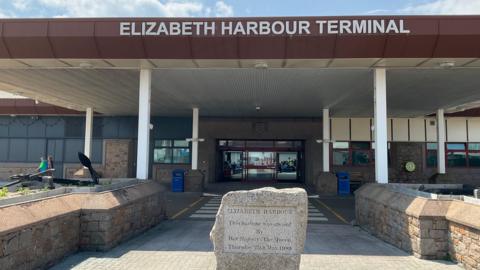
[[18, 127], [72, 147], [75, 127], [97, 151], [97, 130], [55, 149], [37, 129], [127, 127], [172, 127], [18, 150], [4, 125], [110, 127], [36, 149], [3, 149], [55, 127]]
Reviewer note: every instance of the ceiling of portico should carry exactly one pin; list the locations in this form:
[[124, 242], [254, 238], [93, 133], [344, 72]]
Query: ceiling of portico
[[236, 92]]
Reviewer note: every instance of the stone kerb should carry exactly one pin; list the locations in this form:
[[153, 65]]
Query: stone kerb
[[261, 229]]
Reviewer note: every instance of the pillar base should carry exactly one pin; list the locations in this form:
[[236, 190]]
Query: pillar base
[[194, 180], [326, 184]]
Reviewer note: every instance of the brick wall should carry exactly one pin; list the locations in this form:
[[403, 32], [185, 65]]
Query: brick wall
[[8, 169], [40, 233], [118, 158]]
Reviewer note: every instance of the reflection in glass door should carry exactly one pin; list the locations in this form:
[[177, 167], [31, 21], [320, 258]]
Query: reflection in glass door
[[260, 160], [260, 166], [287, 169], [233, 165]]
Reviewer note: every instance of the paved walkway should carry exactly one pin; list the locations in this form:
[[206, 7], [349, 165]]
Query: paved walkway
[[183, 243]]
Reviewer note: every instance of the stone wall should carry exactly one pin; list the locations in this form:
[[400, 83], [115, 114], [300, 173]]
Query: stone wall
[[464, 243], [416, 225], [8, 169], [464, 234], [40, 233], [37, 246], [428, 228]]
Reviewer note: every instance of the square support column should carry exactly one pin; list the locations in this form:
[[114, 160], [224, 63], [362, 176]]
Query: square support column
[[380, 125], [441, 142], [326, 140], [195, 139], [87, 151], [143, 144]]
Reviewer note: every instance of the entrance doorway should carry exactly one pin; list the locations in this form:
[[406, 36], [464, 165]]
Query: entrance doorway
[[261, 161]]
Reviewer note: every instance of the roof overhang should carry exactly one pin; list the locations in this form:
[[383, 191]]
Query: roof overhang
[[414, 37]]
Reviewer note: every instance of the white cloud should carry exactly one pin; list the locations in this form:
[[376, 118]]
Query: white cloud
[[223, 10], [20, 4], [114, 8], [124, 8], [444, 7]]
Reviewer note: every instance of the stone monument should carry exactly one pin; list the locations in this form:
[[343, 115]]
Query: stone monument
[[261, 229]]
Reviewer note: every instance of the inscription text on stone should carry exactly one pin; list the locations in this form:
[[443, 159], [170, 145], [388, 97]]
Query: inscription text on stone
[[259, 229]]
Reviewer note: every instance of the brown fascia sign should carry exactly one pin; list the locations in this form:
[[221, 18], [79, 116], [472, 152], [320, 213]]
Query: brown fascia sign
[[242, 38]]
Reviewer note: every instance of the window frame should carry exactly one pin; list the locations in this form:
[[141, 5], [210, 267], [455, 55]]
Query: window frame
[[172, 147], [350, 149], [467, 152]]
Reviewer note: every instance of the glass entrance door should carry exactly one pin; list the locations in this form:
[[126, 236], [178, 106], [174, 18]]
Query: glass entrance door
[[287, 169], [257, 160], [260, 166], [233, 165]]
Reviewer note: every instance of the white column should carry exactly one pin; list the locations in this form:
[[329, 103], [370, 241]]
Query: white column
[[380, 126], [195, 139], [441, 142], [326, 140], [88, 132], [143, 144]]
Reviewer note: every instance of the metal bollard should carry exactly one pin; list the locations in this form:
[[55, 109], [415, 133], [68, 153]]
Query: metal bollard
[[476, 193], [48, 180]]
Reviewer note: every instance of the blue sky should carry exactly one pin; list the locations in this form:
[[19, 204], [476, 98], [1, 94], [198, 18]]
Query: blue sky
[[225, 8]]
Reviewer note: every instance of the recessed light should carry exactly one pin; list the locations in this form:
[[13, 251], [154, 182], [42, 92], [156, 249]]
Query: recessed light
[[446, 64], [85, 65], [261, 65]]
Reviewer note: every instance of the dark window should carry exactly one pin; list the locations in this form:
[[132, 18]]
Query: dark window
[[474, 154], [361, 153], [171, 152], [353, 153], [431, 154], [456, 155], [340, 153]]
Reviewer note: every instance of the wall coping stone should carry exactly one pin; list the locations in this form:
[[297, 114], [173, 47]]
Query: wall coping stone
[[122, 183], [31, 212], [400, 198], [417, 206], [465, 214]]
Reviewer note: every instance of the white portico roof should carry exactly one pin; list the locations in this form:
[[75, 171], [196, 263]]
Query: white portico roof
[[228, 91]]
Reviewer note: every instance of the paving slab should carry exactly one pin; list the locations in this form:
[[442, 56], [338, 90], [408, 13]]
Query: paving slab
[[185, 244]]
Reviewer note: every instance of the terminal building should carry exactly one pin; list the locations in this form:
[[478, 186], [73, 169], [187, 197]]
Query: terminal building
[[248, 100]]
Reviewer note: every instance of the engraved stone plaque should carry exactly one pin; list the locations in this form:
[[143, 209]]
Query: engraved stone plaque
[[261, 229]]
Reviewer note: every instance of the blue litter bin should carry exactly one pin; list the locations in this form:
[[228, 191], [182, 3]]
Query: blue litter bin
[[343, 179], [178, 180]]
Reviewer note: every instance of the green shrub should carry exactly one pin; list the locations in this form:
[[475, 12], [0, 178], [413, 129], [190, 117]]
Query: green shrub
[[3, 192], [23, 191]]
